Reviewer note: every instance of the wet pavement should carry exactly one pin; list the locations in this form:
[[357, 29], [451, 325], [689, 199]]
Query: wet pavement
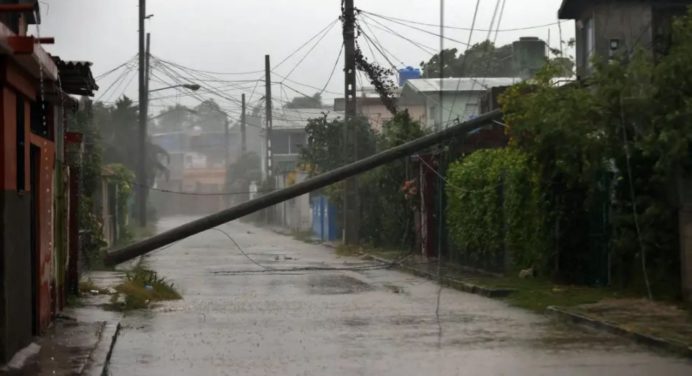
[[291, 308]]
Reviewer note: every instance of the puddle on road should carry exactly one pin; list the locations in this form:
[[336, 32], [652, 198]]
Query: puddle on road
[[336, 285]]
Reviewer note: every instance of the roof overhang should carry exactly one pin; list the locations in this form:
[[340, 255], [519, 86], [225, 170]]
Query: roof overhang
[[569, 10], [76, 77]]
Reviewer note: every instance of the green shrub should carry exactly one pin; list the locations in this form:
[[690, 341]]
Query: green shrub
[[494, 203]]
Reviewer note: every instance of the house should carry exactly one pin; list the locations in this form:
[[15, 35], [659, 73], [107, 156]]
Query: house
[[608, 28], [33, 242], [196, 165], [370, 106], [449, 99], [288, 135]]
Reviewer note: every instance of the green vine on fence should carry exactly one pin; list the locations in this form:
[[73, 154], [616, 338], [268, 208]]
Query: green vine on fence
[[495, 206]]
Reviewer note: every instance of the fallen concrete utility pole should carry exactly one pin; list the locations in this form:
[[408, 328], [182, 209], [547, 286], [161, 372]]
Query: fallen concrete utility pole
[[321, 181]]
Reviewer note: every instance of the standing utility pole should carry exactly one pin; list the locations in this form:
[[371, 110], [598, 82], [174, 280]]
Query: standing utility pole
[[142, 179], [268, 123], [148, 68], [243, 136], [351, 207]]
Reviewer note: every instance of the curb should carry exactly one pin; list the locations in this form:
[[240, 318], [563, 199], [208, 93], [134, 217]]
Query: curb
[[450, 282], [101, 356], [646, 339]]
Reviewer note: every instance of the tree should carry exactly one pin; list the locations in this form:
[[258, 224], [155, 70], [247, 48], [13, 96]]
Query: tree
[[209, 116], [244, 171], [306, 102], [174, 118], [326, 143], [386, 215], [119, 130], [480, 60]]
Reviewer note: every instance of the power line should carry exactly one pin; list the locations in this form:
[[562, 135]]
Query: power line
[[104, 74], [370, 43], [241, 249], [331, 75], [465, 55], [425, 31], [463, 28], [377, 40], [115, 82], [326, 28], [326, 32], [422, 47]]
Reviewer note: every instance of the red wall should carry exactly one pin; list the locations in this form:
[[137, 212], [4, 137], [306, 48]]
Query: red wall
[[14, 83], [44, 242]]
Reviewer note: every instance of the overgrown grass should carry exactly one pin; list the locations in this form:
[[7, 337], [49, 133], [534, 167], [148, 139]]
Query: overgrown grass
[[343, 250], [141, 288]]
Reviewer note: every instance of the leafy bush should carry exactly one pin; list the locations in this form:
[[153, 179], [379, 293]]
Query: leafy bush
[[610, 152], [494, 204]]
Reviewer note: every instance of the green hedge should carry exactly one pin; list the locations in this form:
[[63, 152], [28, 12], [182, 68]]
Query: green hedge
[[494, 202]]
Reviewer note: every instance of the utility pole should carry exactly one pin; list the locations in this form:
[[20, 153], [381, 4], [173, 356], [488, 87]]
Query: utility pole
[[226, 157], [148, 67], [268, 108], [243, 124], [310, 185], [142, 179], [351, 207]]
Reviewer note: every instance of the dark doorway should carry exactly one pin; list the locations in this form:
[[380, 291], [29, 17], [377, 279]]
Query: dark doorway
[[35, 158]]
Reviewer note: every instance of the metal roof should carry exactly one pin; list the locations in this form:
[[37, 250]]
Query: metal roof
[[76, 77], [463, 84]]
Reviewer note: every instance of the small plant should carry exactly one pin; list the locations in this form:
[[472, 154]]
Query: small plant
[[141, 288]]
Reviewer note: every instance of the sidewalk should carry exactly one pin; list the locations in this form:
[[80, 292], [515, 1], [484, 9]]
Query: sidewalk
[[657, 324], [79, 342]]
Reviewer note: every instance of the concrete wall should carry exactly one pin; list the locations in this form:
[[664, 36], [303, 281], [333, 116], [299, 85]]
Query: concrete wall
[[464, 106], [627, 22]]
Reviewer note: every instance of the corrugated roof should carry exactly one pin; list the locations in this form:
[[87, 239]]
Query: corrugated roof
[[435, 85], [76, 77]]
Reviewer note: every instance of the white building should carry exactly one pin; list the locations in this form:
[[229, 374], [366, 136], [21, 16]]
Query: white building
[[449, 99]]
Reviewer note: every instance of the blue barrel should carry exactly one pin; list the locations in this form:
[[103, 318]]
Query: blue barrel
[[408, 73]]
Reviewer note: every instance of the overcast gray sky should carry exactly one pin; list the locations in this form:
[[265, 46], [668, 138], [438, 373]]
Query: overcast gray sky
[[234, 35]]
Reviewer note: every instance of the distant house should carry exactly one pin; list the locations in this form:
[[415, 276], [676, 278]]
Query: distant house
[[608, 28], [451, 98], [289, 137], [369, 105]]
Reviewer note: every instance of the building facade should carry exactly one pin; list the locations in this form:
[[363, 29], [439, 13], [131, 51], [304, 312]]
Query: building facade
[[611, 28], [450, 99], [33, 242]]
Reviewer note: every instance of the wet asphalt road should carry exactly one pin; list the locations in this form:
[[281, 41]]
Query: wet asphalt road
[[239, 319]]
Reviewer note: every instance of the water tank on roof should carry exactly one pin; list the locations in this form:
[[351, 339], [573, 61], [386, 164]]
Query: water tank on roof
[[529, 56], [408, 73]]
